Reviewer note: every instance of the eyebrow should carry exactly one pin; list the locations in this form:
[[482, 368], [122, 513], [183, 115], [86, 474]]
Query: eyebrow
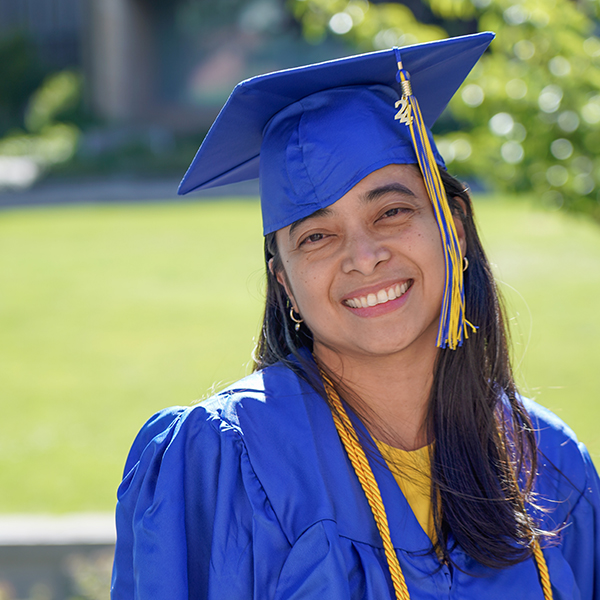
[[378, 192], [322, 212]]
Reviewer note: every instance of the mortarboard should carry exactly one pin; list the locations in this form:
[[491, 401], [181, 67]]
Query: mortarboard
[[311, 133]]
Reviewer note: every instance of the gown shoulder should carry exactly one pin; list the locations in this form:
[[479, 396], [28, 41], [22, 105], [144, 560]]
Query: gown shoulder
[[200, 515]]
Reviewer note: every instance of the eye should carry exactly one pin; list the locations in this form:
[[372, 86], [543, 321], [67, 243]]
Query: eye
[[396, 211], [312, 239]]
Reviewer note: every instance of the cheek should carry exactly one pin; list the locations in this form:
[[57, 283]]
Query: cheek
[[303, 281], [424, 243], [426, 248], [310, 289]]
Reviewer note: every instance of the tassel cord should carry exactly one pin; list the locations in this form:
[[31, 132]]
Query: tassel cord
[[452, 328]]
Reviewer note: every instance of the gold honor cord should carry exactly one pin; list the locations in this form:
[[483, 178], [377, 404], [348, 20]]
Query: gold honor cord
[[542, 570], [363, 471], [367, 480], [453, 328]]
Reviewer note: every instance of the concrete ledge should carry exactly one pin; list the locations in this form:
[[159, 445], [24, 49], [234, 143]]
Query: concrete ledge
[[56, 557], [57, 530]]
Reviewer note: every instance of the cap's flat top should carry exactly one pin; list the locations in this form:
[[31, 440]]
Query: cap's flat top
[[231, 150]]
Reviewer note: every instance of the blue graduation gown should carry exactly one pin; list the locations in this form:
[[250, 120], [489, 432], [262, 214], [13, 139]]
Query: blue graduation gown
[[250, 495]]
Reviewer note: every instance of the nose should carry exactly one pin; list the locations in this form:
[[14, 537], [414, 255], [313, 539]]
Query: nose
[[363, 252]]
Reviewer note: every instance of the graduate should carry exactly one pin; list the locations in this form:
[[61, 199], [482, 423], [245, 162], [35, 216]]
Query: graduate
[[380, 450]]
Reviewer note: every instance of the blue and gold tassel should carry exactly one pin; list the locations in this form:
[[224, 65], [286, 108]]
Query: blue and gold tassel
[[453, 327]]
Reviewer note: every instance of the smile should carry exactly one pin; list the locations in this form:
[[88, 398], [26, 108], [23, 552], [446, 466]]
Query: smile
[[381, 297]]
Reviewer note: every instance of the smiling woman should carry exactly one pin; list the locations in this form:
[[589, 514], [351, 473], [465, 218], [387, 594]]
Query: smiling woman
[[381, 448]]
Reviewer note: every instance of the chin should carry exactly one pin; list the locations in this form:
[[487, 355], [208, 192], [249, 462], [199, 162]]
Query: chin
[[388, 343]]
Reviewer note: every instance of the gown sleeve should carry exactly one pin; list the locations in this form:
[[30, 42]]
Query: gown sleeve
[[192, 515], [569, 489], [582, 534]]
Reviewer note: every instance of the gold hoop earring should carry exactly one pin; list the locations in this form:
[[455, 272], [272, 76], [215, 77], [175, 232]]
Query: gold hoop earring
[[296, 320], [465, 263]]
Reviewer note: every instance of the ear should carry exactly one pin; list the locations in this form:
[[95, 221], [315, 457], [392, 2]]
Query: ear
[[460, 228], [282, 279]]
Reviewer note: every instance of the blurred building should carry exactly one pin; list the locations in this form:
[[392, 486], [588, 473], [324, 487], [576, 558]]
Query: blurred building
[[55, 26], [170, 63], [173, 62]]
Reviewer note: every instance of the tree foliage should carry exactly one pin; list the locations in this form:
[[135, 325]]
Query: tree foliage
[[528, 117], [21, 73]]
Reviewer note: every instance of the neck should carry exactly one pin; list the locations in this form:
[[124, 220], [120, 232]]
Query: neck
[[390, 394]]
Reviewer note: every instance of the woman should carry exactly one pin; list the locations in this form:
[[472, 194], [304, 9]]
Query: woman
[[380, 449]]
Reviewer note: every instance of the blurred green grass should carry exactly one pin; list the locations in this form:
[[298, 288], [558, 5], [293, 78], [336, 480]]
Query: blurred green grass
[[548, 264], [109, 313]]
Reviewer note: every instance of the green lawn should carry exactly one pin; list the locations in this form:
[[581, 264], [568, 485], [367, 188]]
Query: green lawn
[[109, 313], [549, 264]]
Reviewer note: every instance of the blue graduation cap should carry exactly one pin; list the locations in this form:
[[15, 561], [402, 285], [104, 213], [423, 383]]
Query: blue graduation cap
[[311, 133]]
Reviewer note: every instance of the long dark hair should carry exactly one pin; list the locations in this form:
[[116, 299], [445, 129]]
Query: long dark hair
[[484, 458]]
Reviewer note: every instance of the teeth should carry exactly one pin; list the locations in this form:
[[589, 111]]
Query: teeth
[[381, 297]]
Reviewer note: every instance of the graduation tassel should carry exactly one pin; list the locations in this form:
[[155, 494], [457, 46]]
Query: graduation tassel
[[453, 327]]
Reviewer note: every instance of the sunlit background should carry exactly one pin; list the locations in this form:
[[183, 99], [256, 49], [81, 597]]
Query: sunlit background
[[117, 299]]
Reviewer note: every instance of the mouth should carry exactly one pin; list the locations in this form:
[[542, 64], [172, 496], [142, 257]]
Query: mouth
[[380, 297]]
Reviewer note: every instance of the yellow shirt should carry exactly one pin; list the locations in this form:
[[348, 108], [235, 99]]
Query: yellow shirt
[[412, 471]]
